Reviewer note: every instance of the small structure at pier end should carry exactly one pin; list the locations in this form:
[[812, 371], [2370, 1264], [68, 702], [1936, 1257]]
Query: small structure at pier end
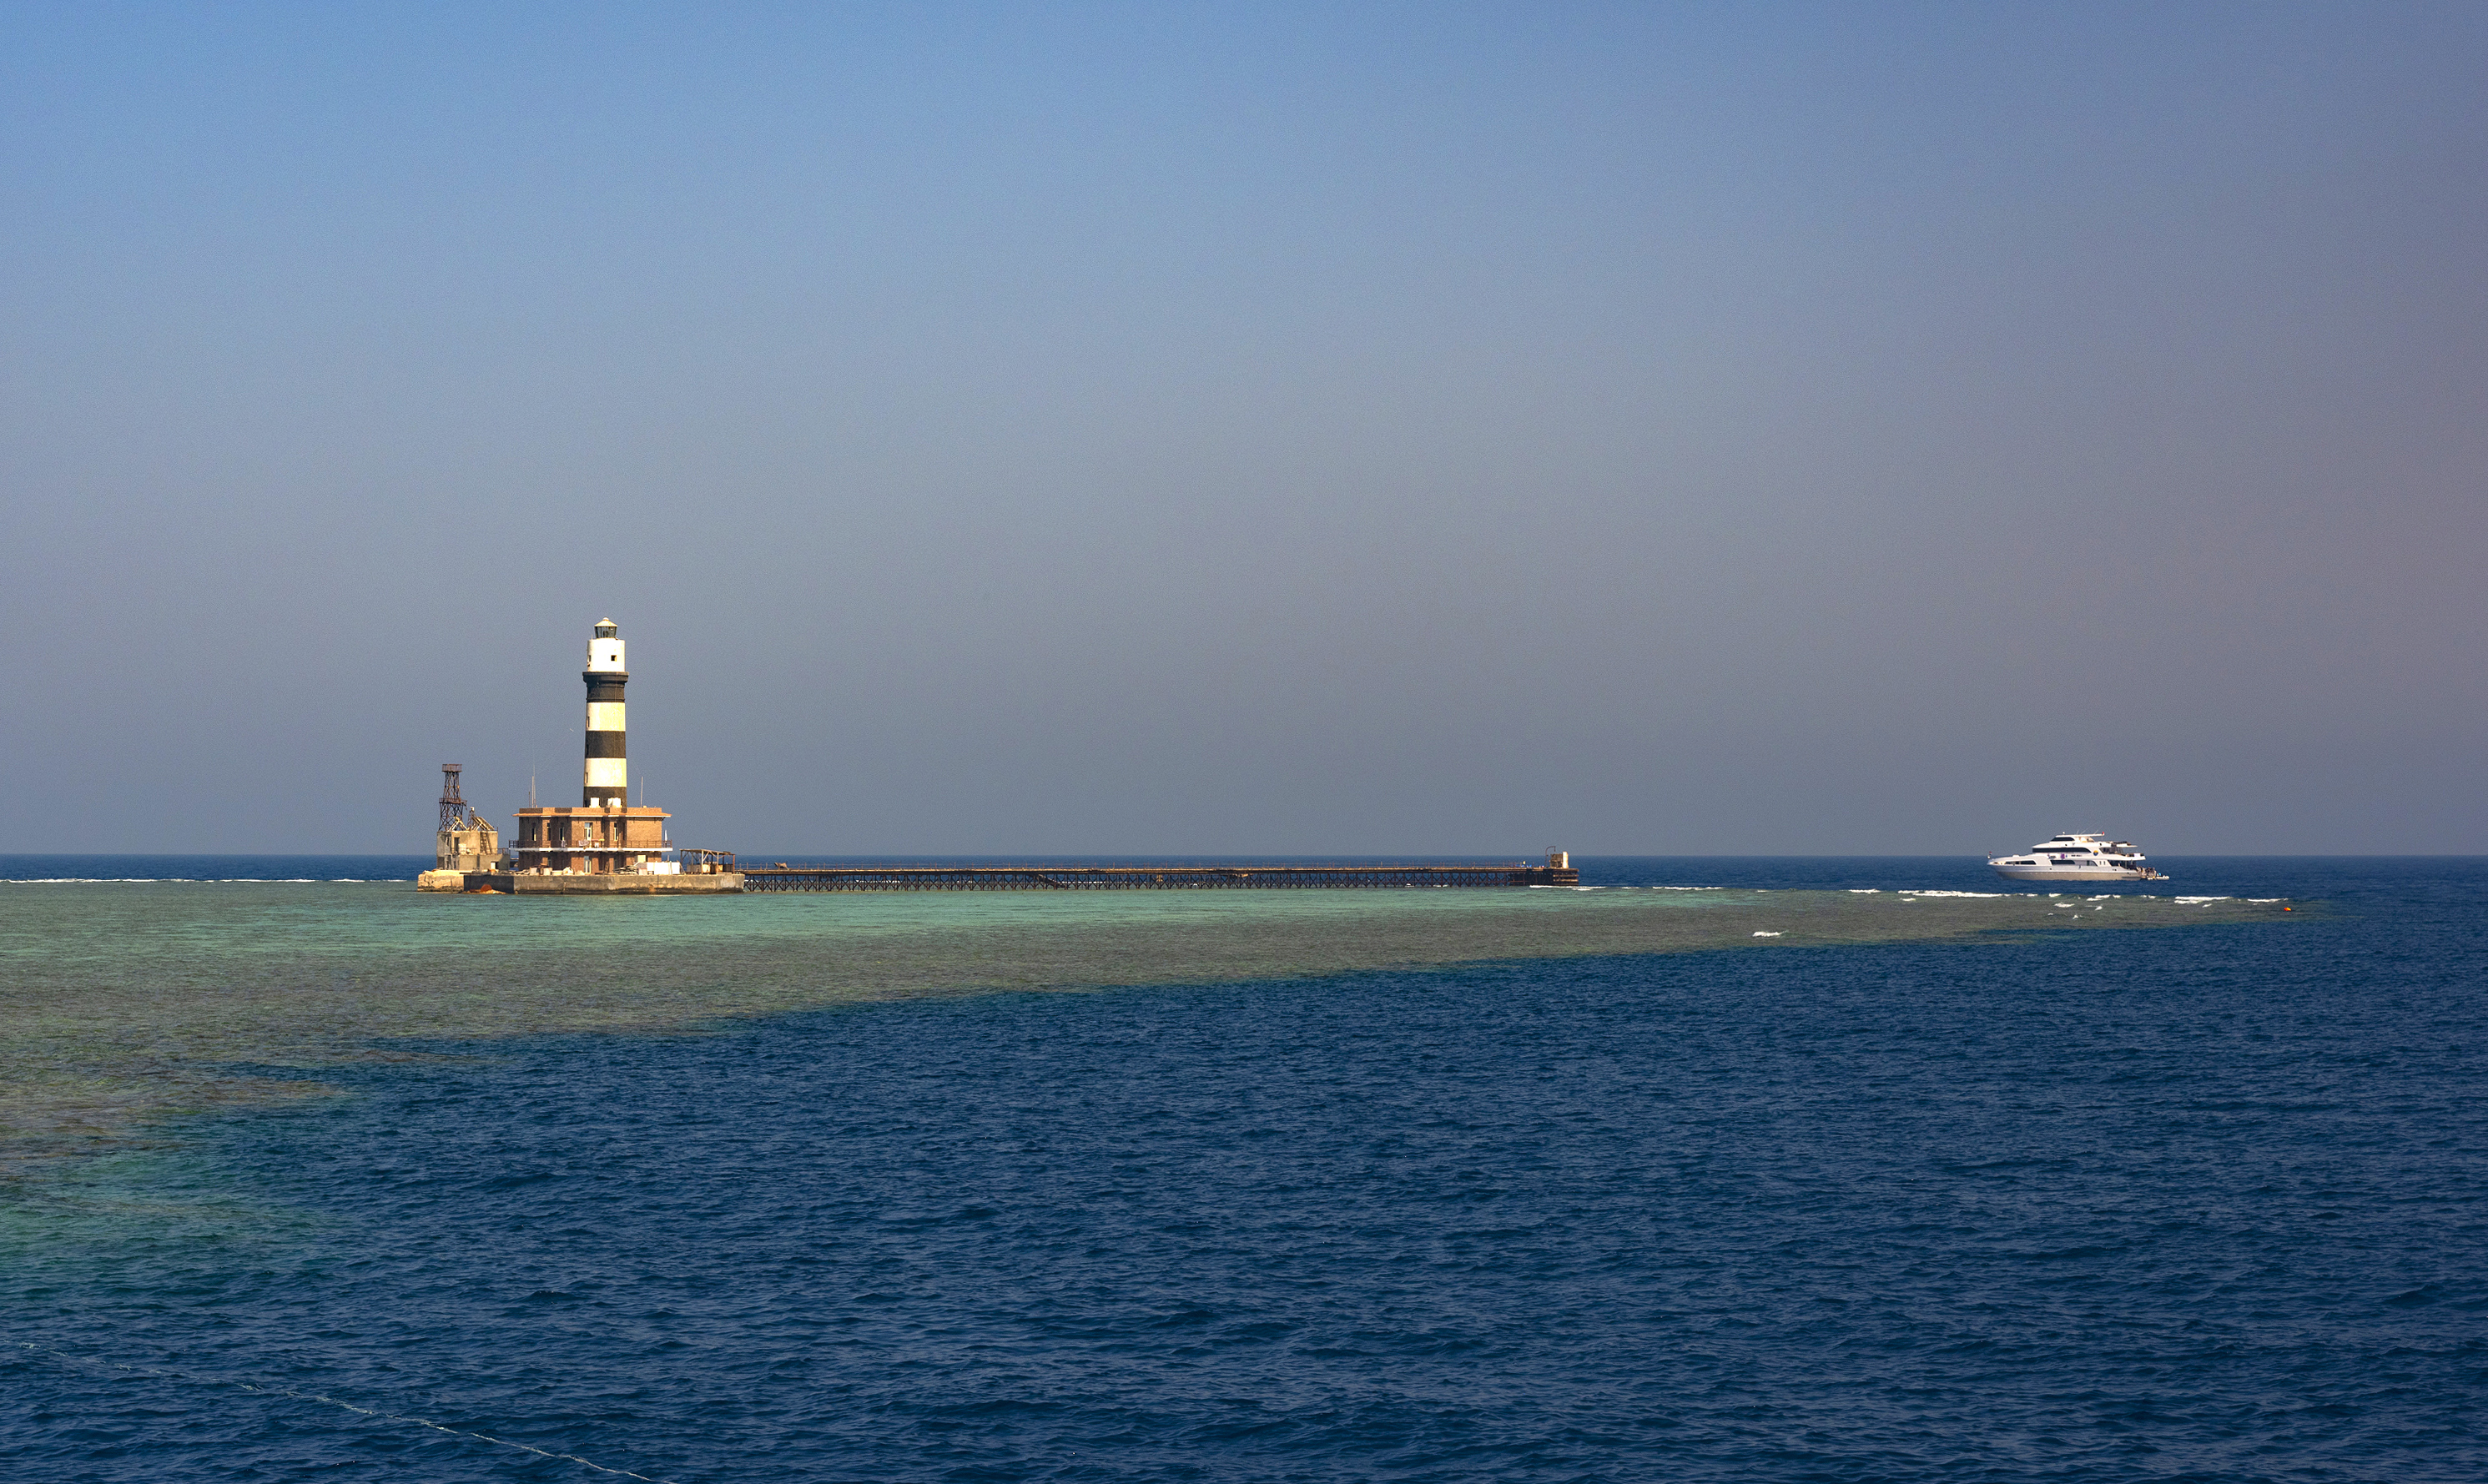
[[607, 844]]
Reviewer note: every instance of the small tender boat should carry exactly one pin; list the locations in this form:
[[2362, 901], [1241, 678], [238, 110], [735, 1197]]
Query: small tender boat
[[2077, 858]]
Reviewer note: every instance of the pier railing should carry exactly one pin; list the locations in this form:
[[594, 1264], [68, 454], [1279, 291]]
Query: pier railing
[[1147, 877]]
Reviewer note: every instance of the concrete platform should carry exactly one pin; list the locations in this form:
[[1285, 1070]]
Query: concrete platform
[[608, 883]]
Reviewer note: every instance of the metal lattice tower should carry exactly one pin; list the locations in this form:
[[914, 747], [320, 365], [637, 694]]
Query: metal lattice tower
[[453, 809]]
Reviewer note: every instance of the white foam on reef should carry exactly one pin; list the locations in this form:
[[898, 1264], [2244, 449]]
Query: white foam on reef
[[2199, 901], [1768, 934], [1908, 894], [1865, 891], [1542, 886]]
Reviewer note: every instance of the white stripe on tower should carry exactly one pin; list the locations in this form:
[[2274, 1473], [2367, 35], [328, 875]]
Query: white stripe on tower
[[607, 777]]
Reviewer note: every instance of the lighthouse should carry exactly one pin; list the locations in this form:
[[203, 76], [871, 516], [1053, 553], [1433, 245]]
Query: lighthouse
[[601, 845], [606, 778], [605, 836]]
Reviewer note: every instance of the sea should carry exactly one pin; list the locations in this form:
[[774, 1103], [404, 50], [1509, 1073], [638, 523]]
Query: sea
[[1718, 1169]]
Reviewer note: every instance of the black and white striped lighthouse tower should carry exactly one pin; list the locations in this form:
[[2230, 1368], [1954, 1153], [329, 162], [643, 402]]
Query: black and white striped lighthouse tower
[[607, 780], [604, 834]]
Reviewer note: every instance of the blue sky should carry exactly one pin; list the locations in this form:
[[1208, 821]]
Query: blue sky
[[1250, 428]]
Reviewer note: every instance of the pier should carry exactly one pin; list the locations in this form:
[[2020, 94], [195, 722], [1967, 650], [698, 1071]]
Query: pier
[[1558, 871]]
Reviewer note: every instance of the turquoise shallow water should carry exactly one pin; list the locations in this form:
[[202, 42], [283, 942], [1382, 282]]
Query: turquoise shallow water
[[1982, 1194], [130, 993]]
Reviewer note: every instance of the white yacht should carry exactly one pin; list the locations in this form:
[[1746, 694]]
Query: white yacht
[[2077, 858]]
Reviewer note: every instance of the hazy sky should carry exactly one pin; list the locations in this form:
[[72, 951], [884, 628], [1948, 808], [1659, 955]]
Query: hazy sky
[[1168, 429]]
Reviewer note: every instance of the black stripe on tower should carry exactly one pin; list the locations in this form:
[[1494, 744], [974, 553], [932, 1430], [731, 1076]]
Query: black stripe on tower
[[606, 745], [604, 685]]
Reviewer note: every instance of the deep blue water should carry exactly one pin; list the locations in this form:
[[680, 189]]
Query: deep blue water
[[2192, 1204]]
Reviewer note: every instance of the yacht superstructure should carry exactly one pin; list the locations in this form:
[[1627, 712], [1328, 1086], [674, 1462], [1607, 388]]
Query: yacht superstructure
[[2077, 857]]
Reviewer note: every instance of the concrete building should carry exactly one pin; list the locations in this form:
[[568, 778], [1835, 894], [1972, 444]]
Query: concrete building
[[594, 839], [464, 842], [467, 841]]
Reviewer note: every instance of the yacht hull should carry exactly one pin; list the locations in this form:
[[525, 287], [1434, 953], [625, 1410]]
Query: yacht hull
[[2073, 874]]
